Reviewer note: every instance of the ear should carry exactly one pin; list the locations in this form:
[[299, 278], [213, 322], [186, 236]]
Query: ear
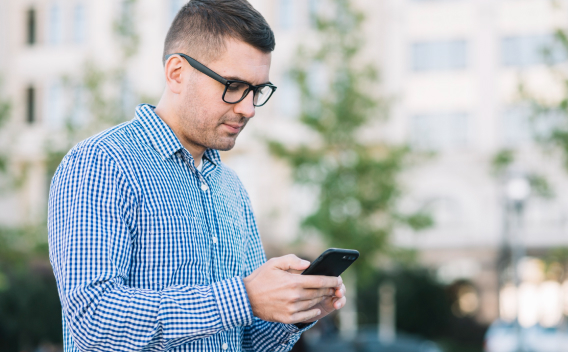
[[174, 71]]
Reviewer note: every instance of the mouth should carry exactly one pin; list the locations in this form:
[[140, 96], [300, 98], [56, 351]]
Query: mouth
[[233, 128]]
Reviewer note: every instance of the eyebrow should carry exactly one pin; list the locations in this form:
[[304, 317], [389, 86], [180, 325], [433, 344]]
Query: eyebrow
[[237, 78]]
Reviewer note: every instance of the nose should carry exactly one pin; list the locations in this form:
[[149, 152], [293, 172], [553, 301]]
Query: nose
[[245, 107]]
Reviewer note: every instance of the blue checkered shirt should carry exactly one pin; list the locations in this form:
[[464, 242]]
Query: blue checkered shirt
[[149, 253]]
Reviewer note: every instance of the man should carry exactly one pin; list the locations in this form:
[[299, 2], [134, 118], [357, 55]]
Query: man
[[152, 238]]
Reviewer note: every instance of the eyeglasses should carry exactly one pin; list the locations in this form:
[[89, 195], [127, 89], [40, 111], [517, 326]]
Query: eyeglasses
[[235, 90]]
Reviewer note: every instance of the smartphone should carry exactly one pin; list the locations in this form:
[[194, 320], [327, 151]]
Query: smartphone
[[332, 262]]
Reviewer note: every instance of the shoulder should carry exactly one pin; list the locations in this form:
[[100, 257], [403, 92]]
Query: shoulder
[[110, 141], [105, 147]]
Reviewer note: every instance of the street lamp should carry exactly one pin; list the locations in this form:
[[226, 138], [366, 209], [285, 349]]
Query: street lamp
[[517, 191]]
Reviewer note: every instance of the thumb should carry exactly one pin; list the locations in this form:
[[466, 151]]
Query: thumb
[[290, 261]]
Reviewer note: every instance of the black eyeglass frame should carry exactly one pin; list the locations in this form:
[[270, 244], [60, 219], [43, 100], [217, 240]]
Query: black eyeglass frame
[[227, 82]]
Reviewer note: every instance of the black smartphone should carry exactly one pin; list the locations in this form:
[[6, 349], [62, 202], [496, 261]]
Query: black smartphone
[[332, 262]]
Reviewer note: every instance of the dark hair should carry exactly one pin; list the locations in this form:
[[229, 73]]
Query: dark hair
[[201, 27]]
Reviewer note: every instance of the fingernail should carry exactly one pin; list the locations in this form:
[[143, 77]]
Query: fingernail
[[305, 262]]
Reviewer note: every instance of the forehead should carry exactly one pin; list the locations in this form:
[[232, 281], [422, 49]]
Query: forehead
[[243, 61]]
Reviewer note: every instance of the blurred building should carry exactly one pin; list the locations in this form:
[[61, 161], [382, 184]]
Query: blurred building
[[456, 67], [453, 68]]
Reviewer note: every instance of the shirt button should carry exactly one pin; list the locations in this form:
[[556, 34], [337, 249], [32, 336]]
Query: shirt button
[[215, 240], [224, 346], [204, 187]]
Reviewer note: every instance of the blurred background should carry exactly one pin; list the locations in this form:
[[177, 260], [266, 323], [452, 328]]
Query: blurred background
[[430, 135]]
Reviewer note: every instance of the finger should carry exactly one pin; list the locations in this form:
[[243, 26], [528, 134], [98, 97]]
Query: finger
[[308, 304], [340, 291], [292, 271], [318, 281], [290, 262], [340, 303], [312, 293], [305, 315]]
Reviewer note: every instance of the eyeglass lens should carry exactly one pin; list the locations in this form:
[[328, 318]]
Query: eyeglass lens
[[237, 90]]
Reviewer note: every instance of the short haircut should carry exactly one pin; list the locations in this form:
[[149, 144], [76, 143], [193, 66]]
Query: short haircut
[[201, 27]]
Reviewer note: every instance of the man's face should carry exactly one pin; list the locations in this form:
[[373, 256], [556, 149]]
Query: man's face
[[204, 119]]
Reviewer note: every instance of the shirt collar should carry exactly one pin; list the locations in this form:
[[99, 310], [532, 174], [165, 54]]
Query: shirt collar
[[161, 136]]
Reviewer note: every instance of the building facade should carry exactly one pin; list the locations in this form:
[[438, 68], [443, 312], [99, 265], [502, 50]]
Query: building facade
[[452, 67]]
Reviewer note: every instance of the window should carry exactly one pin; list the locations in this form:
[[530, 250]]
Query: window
[[78, 106], [30, 105], [531, 50], [439, 55], [286, 13], [55, 26], [31, 36], [54, 103], [521, 126], [516, 126], [439, 131], [79, 24]]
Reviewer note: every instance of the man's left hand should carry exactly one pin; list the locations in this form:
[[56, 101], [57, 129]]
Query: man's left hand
[[329, 304]]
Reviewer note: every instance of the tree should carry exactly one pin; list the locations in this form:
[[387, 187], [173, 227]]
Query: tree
[[550, 117], [356, 182]]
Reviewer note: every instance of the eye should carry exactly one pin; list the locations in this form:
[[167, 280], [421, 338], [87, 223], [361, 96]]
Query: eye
[[237, 86]]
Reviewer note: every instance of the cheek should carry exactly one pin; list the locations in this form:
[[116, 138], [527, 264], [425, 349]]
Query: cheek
[[204, 105], [209, 101]]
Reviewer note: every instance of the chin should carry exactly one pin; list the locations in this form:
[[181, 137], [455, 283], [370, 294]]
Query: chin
[[225, 146]]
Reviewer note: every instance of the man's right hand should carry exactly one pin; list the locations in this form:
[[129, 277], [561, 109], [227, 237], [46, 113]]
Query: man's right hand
[[278, 295]]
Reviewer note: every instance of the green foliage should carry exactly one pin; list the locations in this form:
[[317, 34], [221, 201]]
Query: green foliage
[[540, 186], [422, 305], [5, 109], [501, 161], [30, 311], [356, 182], [109, 99], [556, 263], [125, 29], [542, 108], [559, 254]]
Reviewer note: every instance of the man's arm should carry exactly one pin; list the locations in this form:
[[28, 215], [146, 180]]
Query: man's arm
[[263, 335], [91, 221]]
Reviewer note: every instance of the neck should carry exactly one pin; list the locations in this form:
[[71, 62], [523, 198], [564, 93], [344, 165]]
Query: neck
[[172, 120]]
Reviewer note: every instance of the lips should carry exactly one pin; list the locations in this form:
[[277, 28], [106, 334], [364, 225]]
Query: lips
[[233, 128]]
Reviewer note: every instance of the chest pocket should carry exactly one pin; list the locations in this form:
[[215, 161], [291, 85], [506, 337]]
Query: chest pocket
[[169, 250]]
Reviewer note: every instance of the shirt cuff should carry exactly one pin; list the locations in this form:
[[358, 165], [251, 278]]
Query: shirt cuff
[[291, 334], [233, 303], [299, 327]]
